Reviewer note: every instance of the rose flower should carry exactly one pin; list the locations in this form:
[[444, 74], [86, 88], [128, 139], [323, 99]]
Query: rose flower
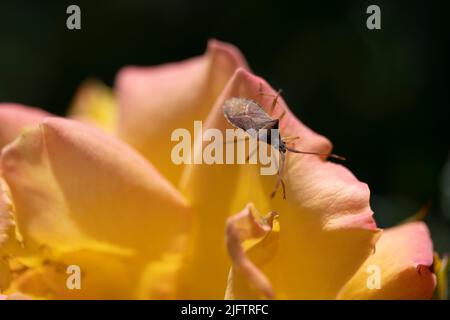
[[99, 192]]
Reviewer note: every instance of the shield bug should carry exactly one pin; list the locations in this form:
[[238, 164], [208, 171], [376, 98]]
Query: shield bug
[[248, 115]]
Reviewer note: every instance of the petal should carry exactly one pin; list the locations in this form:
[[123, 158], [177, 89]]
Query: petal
[[154, 101], [5, 274], [8, 239], [7, 225], [327, 229], [94, 103], [403, 257], [14, 118], [101, 276], [441, 269], [159, 278], [14, 296], [75, 187], [240, 227]]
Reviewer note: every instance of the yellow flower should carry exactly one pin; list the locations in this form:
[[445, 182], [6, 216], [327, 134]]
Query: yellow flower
[[111, 201]]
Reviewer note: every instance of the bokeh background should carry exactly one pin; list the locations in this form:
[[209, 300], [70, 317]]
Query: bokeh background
[[380, 96]]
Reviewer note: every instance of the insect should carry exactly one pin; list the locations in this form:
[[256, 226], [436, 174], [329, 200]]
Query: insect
[[248, 115]]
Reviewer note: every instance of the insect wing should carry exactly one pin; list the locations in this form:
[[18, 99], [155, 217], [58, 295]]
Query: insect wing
[[247, 114]]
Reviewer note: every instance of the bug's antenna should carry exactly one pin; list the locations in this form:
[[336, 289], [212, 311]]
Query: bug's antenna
[[330, 155], [274, 102], [275, 96], [289, 138], [260, 93], [282, 115]]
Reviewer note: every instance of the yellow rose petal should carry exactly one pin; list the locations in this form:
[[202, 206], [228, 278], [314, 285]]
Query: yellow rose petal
[[80, 274], [95, 103], [75, 187]]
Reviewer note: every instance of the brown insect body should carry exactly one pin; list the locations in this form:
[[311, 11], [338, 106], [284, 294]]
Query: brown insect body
[[249, 116]]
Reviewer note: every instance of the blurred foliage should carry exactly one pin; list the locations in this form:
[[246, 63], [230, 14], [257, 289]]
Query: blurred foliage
[[378, 95]]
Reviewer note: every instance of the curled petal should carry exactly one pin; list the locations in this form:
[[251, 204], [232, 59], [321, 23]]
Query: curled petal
[[403, 261], [75, 187], [14, 118], [240, 227], [154, 101]]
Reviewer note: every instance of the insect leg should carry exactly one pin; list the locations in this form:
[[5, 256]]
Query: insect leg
[[283, 187], [251, 154], [279, 178], [329, 155]]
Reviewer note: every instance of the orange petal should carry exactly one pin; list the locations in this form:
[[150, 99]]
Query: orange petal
[[403, 259], [154, 101], [75, 187], [14, 118], [327, 229]]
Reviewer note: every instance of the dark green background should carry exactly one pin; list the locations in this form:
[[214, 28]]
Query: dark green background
[[380, 96]]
